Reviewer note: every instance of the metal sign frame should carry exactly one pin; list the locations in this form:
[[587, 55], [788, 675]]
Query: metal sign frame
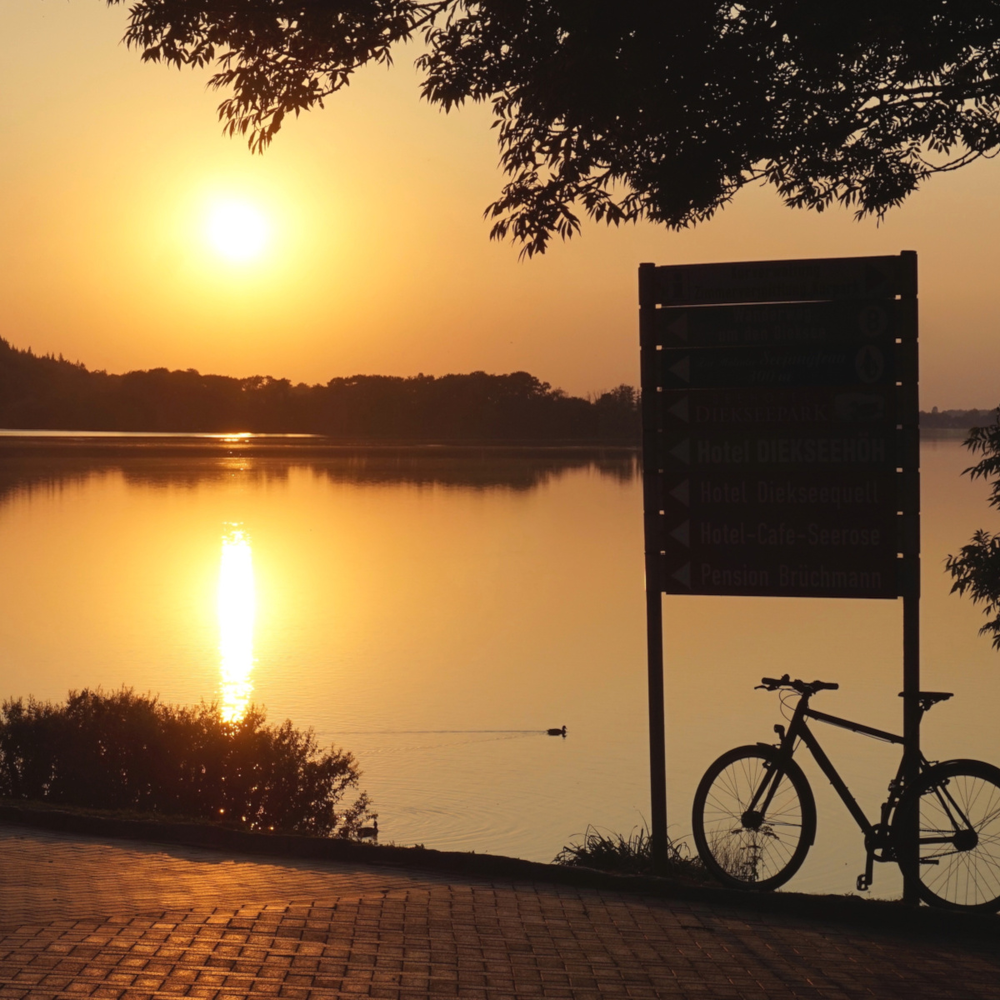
[[806, 366]]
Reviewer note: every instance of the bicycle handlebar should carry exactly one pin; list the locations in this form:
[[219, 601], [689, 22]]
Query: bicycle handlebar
[[773, 683], [803, 687]]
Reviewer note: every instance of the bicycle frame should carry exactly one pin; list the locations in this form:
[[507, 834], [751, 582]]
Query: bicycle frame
[[876, 835]]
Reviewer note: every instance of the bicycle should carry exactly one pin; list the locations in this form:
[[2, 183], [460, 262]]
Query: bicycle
[[755, 816]]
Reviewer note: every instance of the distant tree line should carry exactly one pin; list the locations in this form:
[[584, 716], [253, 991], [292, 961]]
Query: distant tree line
[[959, 419], [50, 393]]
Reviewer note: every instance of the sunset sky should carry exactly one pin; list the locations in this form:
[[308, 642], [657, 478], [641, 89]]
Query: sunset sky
[[374, 254]]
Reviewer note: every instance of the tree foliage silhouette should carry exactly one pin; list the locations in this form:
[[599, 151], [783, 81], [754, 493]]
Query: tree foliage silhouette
[[45, 392], [976, 569], [632, 110]]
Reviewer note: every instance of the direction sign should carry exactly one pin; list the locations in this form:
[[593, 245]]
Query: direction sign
[[784, 280], [773, 493], [803, 324], [829, 406], [725, 573], [803, 448], [780, 445], [859, 363]]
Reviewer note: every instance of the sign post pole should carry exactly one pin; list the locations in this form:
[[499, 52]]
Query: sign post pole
[[651, 446], [657, 726], [910, 503], [911, 735]]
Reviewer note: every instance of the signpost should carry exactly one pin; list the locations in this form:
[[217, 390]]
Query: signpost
[[780, 446]]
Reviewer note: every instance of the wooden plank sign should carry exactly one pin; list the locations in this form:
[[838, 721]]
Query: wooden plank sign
[[780, 450]]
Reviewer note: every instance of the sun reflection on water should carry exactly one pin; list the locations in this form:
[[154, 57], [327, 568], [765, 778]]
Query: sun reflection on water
[[237, 609]]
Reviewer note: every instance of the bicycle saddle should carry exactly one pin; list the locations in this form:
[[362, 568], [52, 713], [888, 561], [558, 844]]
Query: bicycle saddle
[[930, 698]]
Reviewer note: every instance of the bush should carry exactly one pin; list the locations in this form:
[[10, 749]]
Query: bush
[[130, 752], [629, 855]]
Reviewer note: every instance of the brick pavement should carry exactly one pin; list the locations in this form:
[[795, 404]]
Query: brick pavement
[[82, 917]]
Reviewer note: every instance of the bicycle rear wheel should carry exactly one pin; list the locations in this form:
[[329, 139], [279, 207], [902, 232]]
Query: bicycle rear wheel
[[958, 804], [754, 818]]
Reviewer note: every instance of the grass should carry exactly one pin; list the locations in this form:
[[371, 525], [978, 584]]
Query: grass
[[630, 854]]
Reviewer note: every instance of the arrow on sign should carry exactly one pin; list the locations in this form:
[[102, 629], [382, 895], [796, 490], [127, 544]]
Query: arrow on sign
[[678, 328], [682, 369], [682, 451], [681, 409], [683, 575], [682, 533], [682, 492]]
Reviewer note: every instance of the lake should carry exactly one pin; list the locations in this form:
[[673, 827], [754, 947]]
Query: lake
[[434, 611]]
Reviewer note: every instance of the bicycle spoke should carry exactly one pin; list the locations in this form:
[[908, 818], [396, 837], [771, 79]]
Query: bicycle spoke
[[959, 839], [992, 816], [751, 822]]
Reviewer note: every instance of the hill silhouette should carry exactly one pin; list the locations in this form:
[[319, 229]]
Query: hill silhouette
[[51, 393]]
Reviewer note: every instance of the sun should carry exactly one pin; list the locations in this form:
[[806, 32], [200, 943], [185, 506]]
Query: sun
[[237, 230]]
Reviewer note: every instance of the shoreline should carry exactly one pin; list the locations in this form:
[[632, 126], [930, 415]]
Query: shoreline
[[155, 443], [73, 444]]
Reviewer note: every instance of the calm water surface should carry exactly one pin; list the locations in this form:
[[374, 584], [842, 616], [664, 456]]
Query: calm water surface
[[435, 612]]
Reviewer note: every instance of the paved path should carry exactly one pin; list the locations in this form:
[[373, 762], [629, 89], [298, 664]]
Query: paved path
[[82, 917]]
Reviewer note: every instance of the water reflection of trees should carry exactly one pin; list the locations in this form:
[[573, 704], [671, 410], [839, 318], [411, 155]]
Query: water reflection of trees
[[50, 468]]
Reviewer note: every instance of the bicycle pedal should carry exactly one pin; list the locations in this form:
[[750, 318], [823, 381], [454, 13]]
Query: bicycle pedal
[[864, 883]]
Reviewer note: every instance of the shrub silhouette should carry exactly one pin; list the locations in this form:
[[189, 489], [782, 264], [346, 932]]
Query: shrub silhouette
[[630, 854], [129, 752]]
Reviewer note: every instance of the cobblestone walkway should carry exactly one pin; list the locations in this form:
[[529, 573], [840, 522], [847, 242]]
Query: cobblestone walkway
[[81, 917]]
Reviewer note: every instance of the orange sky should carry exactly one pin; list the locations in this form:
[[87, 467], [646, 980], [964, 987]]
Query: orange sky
[[379, 260]]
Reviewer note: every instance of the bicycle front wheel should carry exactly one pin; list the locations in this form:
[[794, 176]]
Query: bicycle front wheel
[[754, 818], [958, 806]]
